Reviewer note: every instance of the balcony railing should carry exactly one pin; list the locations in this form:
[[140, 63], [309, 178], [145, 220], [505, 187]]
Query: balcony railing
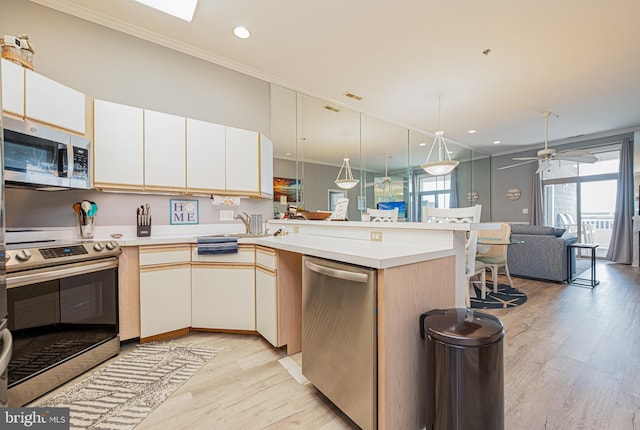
[[597, 228]]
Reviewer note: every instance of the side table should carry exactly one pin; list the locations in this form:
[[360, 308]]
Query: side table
[[582, 281]]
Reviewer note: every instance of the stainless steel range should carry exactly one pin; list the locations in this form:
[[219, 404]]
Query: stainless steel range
[[62, 312]]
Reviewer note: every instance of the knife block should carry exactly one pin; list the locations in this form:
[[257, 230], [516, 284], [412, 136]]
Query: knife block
[[144, 230]]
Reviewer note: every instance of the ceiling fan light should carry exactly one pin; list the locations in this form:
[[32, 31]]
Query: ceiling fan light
[[438, 168], [443, 165], [346, 184], [348, 181]]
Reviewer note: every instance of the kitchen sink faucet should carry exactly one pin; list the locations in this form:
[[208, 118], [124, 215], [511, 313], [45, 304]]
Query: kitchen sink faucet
[[246, 220]]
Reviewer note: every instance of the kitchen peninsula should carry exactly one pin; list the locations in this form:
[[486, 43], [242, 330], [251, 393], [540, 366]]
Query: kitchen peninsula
[[419, 267]]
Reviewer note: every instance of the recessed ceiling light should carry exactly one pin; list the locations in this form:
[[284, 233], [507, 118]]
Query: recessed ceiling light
[[241, 32], [472, 131], [422, 144], [287, 153], [495, 142], [182, 9]]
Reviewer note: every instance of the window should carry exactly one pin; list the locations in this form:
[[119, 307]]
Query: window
[[433, 191]]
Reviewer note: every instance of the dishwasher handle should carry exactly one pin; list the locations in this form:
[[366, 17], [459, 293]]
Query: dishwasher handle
[[337, 273]]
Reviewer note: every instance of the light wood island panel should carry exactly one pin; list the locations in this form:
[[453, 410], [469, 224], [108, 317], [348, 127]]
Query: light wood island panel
[[404, 293], [129, 293]]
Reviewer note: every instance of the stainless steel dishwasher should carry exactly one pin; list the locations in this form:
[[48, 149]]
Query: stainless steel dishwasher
[[339, 336]]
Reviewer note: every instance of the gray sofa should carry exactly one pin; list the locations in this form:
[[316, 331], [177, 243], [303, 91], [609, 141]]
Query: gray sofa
[[543, 255]]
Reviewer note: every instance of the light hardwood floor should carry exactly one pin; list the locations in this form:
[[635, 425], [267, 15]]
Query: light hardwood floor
[[572, 361]]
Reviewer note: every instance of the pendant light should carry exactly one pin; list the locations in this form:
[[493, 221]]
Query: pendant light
[[348, 181], [442, 166]]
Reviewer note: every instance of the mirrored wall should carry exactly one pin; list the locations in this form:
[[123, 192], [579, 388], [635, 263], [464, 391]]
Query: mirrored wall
[[312, 137]]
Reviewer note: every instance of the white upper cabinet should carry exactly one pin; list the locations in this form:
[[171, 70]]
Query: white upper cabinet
[[139, 149], [164, 151], [12, 88], [205, 156], [53, 103], [266, 167], [243, 161], [118, 146]]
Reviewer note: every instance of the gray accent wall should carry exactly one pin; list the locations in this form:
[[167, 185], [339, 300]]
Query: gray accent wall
[[504, 210]]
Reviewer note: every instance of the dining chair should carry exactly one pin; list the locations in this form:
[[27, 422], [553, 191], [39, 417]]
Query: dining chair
[[473, 267], [383, 215], [495, 256]]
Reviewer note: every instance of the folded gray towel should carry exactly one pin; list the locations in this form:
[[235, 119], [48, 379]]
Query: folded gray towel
[[217, 245]]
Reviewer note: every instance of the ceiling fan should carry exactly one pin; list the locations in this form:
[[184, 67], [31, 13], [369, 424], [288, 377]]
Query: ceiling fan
[[384, 183], [547, 155]]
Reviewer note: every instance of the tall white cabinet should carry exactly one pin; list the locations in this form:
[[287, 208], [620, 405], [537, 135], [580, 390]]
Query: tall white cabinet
[[164, 151], [206, 166], [118, 151], [249, 160], [12, 88]]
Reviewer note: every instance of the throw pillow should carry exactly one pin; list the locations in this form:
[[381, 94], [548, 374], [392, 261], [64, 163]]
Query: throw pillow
[[560, 231]]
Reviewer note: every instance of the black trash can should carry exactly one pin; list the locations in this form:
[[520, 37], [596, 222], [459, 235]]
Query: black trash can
[[465, 375]]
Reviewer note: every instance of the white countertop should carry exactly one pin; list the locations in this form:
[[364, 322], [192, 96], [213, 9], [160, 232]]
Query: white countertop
[[422, 226], [377, 255], [349, 242]]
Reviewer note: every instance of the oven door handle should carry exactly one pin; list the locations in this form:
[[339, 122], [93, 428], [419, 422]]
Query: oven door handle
[[7, 347], [59, 272]]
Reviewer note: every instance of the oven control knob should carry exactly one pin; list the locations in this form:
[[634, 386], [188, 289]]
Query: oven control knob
[[23, 255], [98, 246], [111, 246]]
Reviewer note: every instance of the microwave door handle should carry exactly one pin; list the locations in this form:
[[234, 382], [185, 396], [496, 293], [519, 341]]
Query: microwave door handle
[[63, 160]]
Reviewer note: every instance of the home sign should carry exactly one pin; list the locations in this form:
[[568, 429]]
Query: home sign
[[184, 212]]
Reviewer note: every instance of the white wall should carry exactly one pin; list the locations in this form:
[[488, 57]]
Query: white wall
[[114, 66], [110, 65]]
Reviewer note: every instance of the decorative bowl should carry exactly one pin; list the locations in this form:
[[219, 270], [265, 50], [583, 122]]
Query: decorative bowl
[[315, 216]]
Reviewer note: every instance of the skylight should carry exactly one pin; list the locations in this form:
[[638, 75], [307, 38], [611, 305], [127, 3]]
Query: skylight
[[182, 9]]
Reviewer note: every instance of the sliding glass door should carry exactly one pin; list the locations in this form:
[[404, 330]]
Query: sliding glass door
[[581, 197]]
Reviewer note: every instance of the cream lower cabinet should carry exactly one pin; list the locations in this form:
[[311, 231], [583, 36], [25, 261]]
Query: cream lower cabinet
[[266, 295], [279, 297], [165, 291], [223, 290]]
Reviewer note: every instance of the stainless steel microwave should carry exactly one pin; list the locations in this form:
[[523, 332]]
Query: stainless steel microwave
[[39, 157]]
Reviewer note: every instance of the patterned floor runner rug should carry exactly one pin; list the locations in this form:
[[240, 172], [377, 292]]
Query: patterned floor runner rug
[[122, 394], [506, 297]]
